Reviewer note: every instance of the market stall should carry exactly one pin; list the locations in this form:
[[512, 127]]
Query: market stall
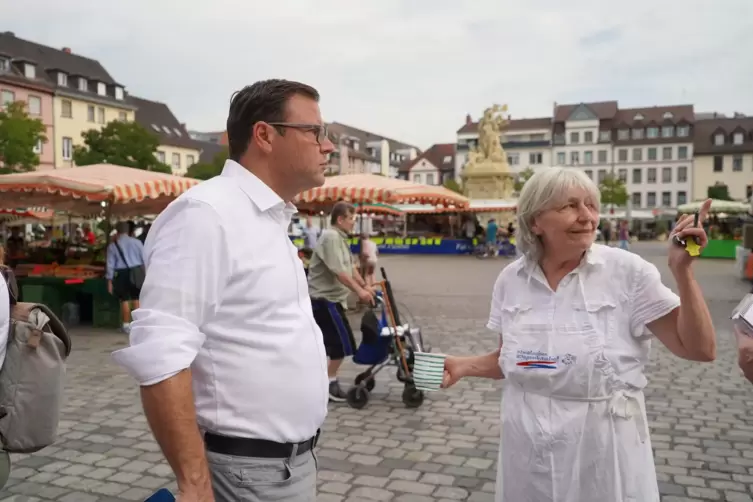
[[724, 226], [64, 280], [373, 189]]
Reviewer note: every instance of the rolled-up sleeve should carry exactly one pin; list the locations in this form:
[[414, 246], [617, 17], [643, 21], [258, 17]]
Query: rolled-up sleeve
[[186, 258], [650, 299]]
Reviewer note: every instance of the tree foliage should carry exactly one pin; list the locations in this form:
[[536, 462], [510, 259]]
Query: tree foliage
[[19, 134], [453, 185], [121, 143], [720, 191], [522, 178], [613, 191], [206, 170]]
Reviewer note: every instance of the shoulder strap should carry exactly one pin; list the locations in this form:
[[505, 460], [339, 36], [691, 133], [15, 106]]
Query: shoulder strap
[[121, 253]]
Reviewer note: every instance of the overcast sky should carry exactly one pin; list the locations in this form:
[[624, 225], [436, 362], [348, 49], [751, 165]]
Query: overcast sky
[[410, 69]]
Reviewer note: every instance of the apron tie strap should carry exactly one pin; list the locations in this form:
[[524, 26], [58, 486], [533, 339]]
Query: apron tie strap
[[625, 404]]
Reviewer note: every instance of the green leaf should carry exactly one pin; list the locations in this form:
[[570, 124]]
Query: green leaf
[[19, 134], [121, 143], [613, 191]]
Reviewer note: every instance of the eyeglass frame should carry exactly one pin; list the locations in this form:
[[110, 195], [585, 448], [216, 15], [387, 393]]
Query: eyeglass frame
[[320, 129]]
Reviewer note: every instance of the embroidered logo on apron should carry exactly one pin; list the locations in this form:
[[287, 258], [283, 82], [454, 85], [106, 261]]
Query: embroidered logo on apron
[[529, 359]]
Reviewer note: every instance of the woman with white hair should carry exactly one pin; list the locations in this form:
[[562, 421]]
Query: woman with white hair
[[576, 321]]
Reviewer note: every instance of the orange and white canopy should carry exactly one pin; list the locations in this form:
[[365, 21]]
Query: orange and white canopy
[[82, 189], [370, 188]]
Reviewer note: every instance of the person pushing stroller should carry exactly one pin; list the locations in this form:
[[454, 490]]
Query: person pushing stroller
[[332, 276]]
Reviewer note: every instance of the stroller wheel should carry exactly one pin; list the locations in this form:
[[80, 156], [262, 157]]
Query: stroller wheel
[[357, 397], [412, 397], [367, 376]]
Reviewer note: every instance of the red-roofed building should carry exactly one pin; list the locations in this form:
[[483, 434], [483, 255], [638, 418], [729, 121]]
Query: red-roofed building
[[432, 167]]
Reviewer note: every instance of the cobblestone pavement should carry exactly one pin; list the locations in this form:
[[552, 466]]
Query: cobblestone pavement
[[700, 414]]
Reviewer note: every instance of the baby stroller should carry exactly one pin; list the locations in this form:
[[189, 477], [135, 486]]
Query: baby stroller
[[386, 342]]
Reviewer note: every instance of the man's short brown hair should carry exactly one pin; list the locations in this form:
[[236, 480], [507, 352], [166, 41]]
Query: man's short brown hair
[[341, 209]]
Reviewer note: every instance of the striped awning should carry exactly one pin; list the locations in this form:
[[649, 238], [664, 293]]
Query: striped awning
[[83, 189], [370, 188]]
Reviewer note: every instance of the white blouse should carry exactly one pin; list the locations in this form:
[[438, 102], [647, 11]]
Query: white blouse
[[622, 291]]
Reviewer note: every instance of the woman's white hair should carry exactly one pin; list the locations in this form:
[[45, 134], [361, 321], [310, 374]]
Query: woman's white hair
[[547, 189]]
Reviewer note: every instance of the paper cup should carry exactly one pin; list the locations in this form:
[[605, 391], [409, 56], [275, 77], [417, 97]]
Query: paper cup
[[428, 370]]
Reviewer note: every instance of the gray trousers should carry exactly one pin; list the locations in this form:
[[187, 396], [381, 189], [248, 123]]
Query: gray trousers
[[246, 479]]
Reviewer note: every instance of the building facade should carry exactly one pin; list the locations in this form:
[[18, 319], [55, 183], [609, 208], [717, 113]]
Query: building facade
[[527, 142], [85, 95], [38, 98], [724, 156], [653, 149], [432, 167], [359, 151], [177, 148]]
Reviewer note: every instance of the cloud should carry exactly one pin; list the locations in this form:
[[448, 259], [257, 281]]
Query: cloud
[[410, 69]]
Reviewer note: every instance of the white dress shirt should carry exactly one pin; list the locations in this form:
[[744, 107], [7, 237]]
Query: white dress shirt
[[226, 295], [4, 318]]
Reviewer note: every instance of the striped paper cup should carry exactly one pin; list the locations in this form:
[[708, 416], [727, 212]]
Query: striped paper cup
[[428, 370]]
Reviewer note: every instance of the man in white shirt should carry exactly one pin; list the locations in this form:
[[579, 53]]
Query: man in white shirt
[[4, 313], [225, 336]]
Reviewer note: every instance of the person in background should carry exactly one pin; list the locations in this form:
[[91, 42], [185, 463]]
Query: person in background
[[4, 309], [510, 230], [623, 235], [491, 238], [368, 259], [88, 236], [469, 231], [123, 253], [310, 235], [575, 321], [606, 232], [332, 276], [230, 362], [145, 232]]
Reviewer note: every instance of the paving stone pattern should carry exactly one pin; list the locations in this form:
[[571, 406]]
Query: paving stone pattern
[[700, 414]]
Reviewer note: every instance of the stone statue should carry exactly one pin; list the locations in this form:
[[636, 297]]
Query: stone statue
[[489, 130], [487, 174]]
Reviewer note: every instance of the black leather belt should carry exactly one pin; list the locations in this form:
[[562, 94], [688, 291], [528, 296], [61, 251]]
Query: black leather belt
[[260, 448]]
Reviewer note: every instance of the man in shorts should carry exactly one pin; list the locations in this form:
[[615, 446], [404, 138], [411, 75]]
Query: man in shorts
[[332, 276]]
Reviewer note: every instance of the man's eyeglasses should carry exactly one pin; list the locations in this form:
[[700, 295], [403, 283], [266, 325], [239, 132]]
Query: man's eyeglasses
[[320, 131]]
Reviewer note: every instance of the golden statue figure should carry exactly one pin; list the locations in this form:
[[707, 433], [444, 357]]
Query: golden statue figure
[[489, 129], [487, 174]]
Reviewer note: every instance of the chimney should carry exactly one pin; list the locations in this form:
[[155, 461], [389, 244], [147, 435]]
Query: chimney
[[67, 50], [468, 119]]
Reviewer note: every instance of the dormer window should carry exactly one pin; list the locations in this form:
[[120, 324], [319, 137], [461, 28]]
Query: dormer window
[[637, 133], [638, 116], [4, 64], [683, 131], [156, 127], [30, 70], [667, 131], [668, 115], [737, 139], [447, 159], [83, 85], [119, 93], [167, 131], [101, 88], [177, 132], [62, 79], [719, 139]]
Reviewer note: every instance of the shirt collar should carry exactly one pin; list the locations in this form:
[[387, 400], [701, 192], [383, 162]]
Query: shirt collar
[[594, 257], [341, 232], [260, 194]]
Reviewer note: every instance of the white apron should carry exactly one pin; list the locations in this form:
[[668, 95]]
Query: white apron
[[571, 431]]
